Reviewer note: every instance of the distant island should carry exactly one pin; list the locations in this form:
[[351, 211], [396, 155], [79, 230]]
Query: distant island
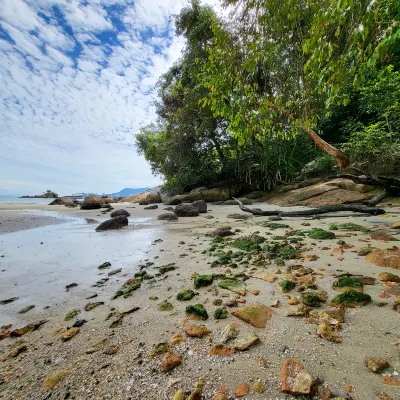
[[49, 194], [128, 192]]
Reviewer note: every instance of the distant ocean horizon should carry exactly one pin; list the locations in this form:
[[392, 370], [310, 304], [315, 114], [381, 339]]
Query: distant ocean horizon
[[18, 200]]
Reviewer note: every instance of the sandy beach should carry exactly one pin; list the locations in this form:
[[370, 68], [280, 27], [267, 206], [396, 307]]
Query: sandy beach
[[45, 248]]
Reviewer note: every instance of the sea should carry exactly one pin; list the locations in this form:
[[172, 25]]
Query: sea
[[18, 200]]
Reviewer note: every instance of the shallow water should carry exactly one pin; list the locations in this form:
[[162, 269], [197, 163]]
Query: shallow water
[[38, 263]]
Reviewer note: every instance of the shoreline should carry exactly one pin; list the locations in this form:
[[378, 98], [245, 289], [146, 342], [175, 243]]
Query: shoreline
[[131, 372]]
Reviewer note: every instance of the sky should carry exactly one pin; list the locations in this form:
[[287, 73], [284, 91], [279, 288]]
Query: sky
[[77, 81]]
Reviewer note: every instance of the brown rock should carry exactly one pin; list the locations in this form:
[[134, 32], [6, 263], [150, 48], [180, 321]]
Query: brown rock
[[69, 334], [324, 393], [247, 342], [376, 364], [28, 328], [90, 306], [389, 258], [258, 387], [197, 330], [390, 380], [295, 379], [242, 390], [53, 379], [271, 278], [170, 361], [388, 277], [178, 338], [328, 332], [330, 316], [382, 237], [254, 314], [396, 225], [111, 350], [220, 396], [297, 310], [17, 349], [220, 350]]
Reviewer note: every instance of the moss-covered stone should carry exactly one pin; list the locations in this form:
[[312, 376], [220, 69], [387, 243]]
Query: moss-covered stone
[[104, 265], [279, 238], [287, 253], [286, 286], [217, 302], [274, 225], [350, 298], [348, 227], [249, 243], [165, 306], [128, 288], [344, 282], [26, 309], [71, 314], [310, 300], [153, 298], [167, 268], [196, 311], [185, 295], [220, 314], [320, 234], [203, 280], [234, 286], [279, 262]]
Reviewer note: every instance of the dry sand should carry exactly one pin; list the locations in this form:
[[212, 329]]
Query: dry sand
[[71, 253]]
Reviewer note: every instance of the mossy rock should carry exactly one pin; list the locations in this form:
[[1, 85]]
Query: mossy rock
[[310, 300], [167, 268], [217, 302], [348, 227], [234, 286], [160, 348], [286, 286], [320, 234], [350, 298], [347, 282], [220, 314], [287, 253], [197, 312], [274, 225], [279, 262], [153, 298], [165, 306], [26, 309], [104, 265], [71, 314], [128, 288], [279, 238], [249, 243], [185, 295], [203, 281]]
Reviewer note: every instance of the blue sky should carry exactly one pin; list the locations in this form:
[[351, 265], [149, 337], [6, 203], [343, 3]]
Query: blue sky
[[76, 82]]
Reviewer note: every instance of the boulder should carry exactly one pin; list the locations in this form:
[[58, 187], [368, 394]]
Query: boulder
[[92, 202], [113, 223], [63, 201], [167, 217], [186, 210], [245, 202], [201, 205], [153, 198], [153, 207], [120, 213], [108, 199], [143, 203], [389, 258], [295, 379], [216, 194], [256, 195], [173, 201]]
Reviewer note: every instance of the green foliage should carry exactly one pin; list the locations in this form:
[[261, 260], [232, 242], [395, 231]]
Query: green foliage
[[351, 297], [347, 281], [286, 286], [320, 234], [310, 299], [220, 314]]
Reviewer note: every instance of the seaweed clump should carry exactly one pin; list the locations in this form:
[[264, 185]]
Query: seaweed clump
[[286, 286], [347, 281], [351, 298], [310, 300], [249, 243], [220, 314], [128, 288], [185, 295], [197, 311], [320, 234], [202, 281]]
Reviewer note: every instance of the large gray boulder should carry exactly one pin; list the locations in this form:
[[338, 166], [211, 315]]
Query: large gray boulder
[[113, 223], [120, 213], [201, 205], [92, 202], [63, 201], [186, 210], [167, 217]]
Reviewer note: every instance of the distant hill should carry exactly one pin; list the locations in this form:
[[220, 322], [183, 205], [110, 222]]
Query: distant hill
[[128, 192]]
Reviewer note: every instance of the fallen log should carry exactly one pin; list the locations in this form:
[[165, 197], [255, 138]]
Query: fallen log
[[359, 208]]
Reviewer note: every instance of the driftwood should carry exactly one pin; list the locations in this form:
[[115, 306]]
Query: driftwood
[[359, 208], [388, 182]]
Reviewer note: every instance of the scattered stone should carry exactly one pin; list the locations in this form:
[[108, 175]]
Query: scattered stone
[[111, 350], [69, 334], [320, 234], [244, 344], [331, 316], [120, 213], [242, 390], [113, 223], [255, 314], [238, 216], [169, 216], [286, 286], [196, 330], [91, 295], [179, 395], [165, 306], [346, 282], [71, 285], [234, 286], [389, 258], [220, 350], [79, 323], [203, 280], [295, 379], [376, 364], [329, 333], [91, 203], [114, 271], [258, 387], [170, 361], [7, 301], [90, 306], [186, 210], [351, 299], [167, 268], [153, 207], [201, 205], [390, 380], [265, 276], [17, 349], [228, 333], [26, 309], [382, 237], [28, 328], [297, 310], [128, 288], [196, 312], [396, 225], [178, 338], [53, 379], [185, 295], [219, 313], [388, 277], [222, 232]]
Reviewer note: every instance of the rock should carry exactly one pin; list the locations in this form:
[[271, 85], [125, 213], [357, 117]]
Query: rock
[[105, 265], [179, 395], [114, 272], [178, 338], [153, 207], [71, 285], [26, 309], [295, 379], [79, 323], [254, 314], [229, 333], [220, 396], [17, 349], [186, 210], [143, 203], [220, 350], [201, 205], [382, 237], [324, 393], [234, 286], [216, 194], [221, 232], [242, 390], [196, 330], [120, 213], [331, 316], [238, 216], [388, 277], [69, 334], [351, 299], [265, 276], [258, 387], [245, 202], [63, 201], [28, 328], [90, 306], [396, 225], [165, 306], [244, 344], [376, 364], [167, 217], [152, 198], [111, 350], [7, 301], [328, 332], [202, 281], [114, 223], [390, 380], [185, 295], [297, 310], [170, 361], [53, 379], [196, 312], [71, 314], [91, 203], [219, 313], [174, 201], [389, 258]]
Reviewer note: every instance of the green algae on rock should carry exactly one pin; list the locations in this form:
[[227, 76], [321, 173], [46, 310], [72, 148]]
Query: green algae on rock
[[185, 295], [203, 280], [105, 265], [196, 312], [310, 299], [128, 288], [254, 314], [350, 298], [167, 268], [219, 313], [320, 234], [249, 243], [286, 286], [348, 226], [217, 302], [347, 282], [71, 314], [165, 306], [26, 309], [234, 286], [274, 225]]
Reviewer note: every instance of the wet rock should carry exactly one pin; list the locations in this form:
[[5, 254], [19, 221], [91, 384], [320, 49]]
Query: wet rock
[[120, 213], [91, 295], [219, 313], [329, 333], [79, 323], [244, 344], [113, 223], [185, 295], [295, 379], [26, 309], [7, 301], [234, 286], [63, 201], [242, 390], [228, 333], [170, 361], [196, 312], [376, 364], [255, 314], [389, 258], [105, 265], [90, 306], [201, 205], [28, 328], [196, 330], [220, 350], [202, 281], [186, 210], [91, 203], [153, 207], [115, 271], [53, 379], [69, 334], [71, 285], [388, 277], [167, 217], [167, 268], [351, 299], [222, 232]]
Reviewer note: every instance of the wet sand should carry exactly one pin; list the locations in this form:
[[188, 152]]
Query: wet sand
[[71, 251]]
